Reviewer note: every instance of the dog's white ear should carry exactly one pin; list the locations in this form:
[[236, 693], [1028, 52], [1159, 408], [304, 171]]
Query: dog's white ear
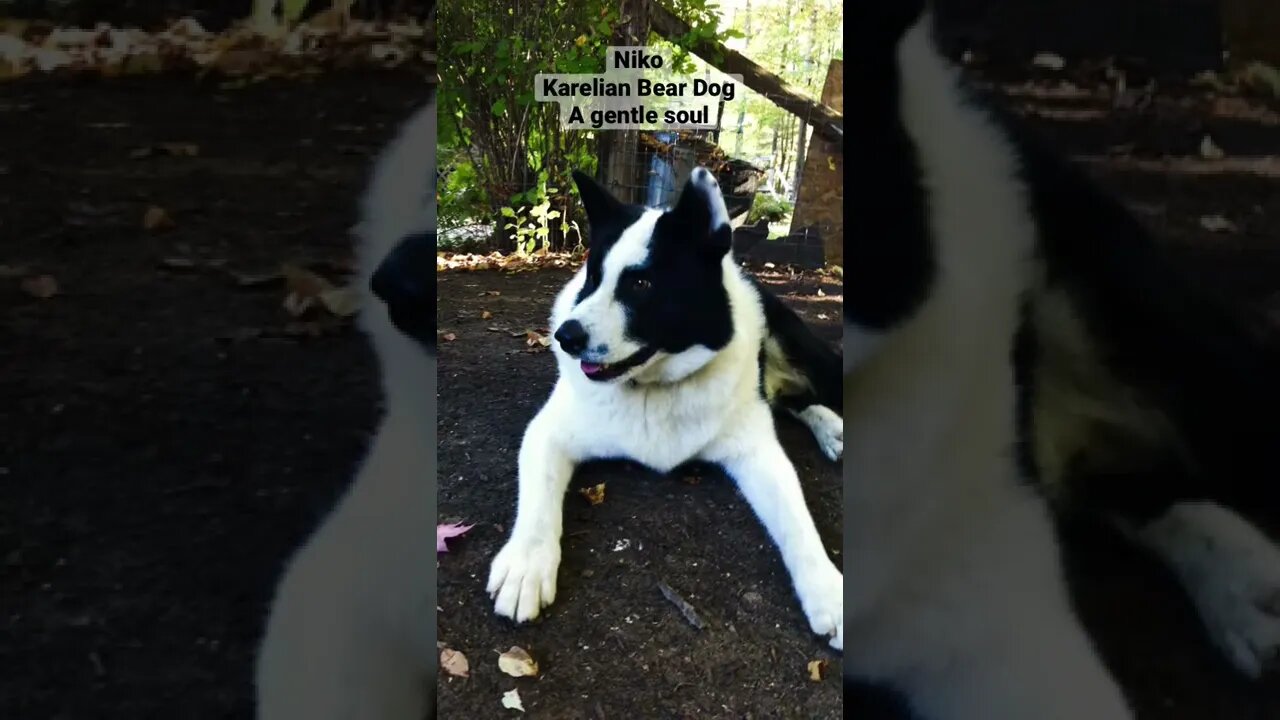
[[599, 203]]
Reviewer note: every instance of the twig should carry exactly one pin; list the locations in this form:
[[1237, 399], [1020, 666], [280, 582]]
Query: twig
[[682, 605]]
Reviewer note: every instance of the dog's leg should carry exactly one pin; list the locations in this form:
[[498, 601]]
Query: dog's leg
[[1231, 571], [522, 579], [767, 479], [827, 427]]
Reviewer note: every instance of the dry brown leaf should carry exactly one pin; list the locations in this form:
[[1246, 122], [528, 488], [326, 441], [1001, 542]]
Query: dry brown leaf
[[40, 286], [342, 302], [156, 218], [448, 337], [305, 289], [533, 338], [594, 495], [455, 663], [817, 670], [485, 315], [517, 662]]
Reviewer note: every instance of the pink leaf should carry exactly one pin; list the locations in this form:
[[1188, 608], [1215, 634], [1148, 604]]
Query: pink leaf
[[444, 532]]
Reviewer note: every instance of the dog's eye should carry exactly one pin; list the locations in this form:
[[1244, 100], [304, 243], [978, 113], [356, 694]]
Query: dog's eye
[[640, 284]]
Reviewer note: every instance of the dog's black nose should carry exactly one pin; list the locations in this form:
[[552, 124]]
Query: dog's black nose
[[572, 337]]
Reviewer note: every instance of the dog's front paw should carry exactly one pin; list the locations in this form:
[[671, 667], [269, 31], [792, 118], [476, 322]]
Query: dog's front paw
[[522, 579], [828, 429], [1240, 606], [823, 602], [1232, 572]]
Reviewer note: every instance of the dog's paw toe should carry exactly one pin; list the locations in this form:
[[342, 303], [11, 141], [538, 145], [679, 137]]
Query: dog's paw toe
[[1247, 629], [522, 580]]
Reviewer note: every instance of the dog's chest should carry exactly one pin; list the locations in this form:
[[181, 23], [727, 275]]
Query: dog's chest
[[661, 430]]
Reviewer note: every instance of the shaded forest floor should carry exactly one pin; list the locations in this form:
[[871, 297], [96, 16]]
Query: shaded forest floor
[[171, 433]]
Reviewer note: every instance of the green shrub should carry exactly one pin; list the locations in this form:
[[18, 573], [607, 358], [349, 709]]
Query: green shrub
[[771, 208]]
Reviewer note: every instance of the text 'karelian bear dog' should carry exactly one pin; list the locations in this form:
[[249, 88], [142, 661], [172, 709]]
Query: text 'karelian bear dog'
[[1013, 335], [668, 352], [351, 630]]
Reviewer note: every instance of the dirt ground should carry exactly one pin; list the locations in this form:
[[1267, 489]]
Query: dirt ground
[[169, 436], [612, 643], [166, 437]]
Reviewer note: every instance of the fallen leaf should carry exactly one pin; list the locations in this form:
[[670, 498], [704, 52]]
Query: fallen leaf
[[40, 286], [594, 495], [533, 338], [342, 302], [454, 663], [820, 293], [1218, 224], [517, 662], [305, 288], [511, 700], [486, 315], [1048, 61], [1209, 150], [156, 218], [823, 316], [448, 337], [444, 532], [817, 669]]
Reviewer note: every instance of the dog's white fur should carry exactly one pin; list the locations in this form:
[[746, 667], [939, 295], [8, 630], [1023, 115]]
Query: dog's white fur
[[698, 404], [351, 631], [1232, 572], [959, 598]]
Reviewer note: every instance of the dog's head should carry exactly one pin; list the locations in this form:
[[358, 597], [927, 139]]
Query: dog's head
[[399, 228], [652, 305]]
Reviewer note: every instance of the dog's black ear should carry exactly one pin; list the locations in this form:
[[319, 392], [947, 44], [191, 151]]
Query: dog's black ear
[[599, 203], [700, 212], [406, 282]]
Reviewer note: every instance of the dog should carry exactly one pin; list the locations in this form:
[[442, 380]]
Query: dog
[[350, 634], [668, 352], [1018, 354]]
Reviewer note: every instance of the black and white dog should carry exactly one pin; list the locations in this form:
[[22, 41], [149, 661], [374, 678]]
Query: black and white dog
[[351, 630], [668, 352], [1012, 334]]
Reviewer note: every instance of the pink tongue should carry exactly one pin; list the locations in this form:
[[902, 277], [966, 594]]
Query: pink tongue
[[591, 368]]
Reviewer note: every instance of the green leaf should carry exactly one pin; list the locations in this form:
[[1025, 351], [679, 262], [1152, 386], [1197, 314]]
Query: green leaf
[[291, 10], [507, 212], [500, 107]]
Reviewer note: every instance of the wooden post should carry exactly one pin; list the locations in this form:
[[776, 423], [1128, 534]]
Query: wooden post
[[622, 173], [820, 197]]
